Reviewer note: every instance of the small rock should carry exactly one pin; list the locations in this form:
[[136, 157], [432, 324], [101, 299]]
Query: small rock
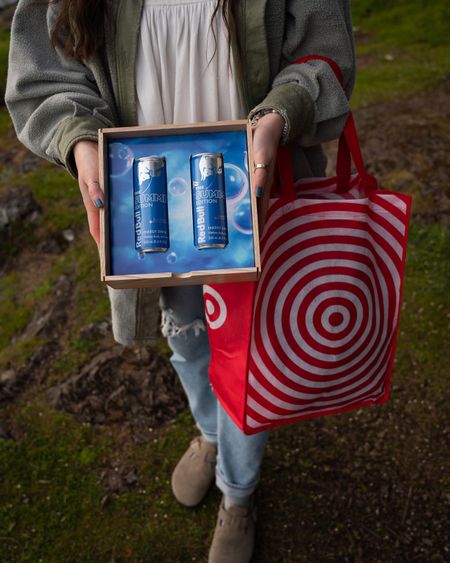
[[69, 235], [63, 286], [114, 482], [53, 395], [95, 403], [131, 476], [16, 204], [95, 329], [8, 377], [34, 216]]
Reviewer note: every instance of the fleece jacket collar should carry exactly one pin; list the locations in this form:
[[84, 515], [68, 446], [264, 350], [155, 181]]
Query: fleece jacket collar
[[251, 29]]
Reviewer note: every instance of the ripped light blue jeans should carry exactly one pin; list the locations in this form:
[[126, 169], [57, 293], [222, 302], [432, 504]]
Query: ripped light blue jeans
[[184, 324]]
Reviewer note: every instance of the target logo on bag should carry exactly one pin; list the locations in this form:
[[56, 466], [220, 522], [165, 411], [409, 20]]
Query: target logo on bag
[[215, 307]]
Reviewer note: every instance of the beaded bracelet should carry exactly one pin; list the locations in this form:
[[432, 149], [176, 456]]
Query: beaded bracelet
[[264, 111]]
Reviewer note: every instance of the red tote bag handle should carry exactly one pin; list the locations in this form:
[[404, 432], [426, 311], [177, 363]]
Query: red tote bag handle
[[349, 149]]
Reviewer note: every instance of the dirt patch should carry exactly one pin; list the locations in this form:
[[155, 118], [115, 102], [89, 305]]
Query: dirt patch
[[367, 483], [131, 387]]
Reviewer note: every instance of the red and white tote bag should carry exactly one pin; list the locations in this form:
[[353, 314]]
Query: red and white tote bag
[[316, 334]]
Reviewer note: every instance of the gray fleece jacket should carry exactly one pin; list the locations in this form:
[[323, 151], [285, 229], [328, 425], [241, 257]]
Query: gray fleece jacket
[[54, 101]]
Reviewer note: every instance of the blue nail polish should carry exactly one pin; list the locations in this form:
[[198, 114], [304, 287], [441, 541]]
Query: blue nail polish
[[98, 202], [259, 191]]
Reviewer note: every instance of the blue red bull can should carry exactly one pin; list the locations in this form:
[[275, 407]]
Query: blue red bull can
[[151, 220], [209, 200]]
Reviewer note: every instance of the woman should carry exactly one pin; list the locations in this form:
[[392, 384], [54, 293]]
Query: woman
[[76, 66]]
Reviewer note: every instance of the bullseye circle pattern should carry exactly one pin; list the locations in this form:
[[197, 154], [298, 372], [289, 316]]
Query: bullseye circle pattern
[[326, 307], [215, 307]]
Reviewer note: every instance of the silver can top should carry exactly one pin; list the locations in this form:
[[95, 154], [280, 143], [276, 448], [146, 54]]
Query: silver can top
[[209, 163], [149, 166]]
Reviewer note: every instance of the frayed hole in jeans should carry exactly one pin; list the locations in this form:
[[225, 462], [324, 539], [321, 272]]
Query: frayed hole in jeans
[[170, 328]]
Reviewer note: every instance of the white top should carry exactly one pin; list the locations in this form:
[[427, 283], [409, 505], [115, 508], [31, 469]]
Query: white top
[[174, 83]]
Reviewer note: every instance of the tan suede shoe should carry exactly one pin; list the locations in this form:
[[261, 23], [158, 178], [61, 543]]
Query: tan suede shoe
[[234, 536], [195, 472]]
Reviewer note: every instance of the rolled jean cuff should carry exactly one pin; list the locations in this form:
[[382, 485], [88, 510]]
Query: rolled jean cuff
[[234, 490]]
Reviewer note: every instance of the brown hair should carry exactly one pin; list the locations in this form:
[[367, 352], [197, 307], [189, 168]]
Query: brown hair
[[83, 25], [80, 27]]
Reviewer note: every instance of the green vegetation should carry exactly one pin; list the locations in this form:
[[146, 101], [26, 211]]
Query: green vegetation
[[406, 45], [50, 507], [20, 352], [14, 312], [59, 197], [49, 492], [4, 48], [5, 122], [425, 322]]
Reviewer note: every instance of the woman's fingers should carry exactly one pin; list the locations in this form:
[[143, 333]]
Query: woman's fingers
[[95, 193], [86, 159], [265, 146], [94, 224], [92, 210], [260, 177]]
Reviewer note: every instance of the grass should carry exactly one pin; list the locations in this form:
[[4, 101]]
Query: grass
[[48, 486], [15, 313], [425, 322], [4, 48], [58, 195], [413, 34], [20, 352], [51, 497], [5, 122]]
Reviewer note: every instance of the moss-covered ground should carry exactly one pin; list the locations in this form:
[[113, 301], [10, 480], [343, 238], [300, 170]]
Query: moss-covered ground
[[402, 48], [365, 486]]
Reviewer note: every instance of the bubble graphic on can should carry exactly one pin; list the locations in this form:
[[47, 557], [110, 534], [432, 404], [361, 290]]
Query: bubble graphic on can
[[151, 219], [209, 200]]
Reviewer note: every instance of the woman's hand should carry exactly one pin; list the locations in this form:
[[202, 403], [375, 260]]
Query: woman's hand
[[266, 138], [86, 160]]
